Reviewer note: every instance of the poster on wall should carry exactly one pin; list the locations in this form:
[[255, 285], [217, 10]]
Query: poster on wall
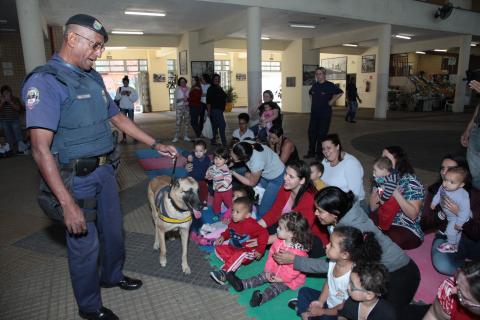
[[290, 81], [182, 61], [309, 74], [368, 63], [336, 68], [159, 77], [241, 76], [202, 67]]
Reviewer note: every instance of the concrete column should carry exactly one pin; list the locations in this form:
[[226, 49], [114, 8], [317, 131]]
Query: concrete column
[[383, 61], [254, 57], [463, 60], [30, 21]]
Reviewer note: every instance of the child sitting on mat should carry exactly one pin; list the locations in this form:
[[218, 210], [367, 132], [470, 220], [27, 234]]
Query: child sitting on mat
[[222, 180], [197, 166], [367, 286], [241, 229], [293, 235]]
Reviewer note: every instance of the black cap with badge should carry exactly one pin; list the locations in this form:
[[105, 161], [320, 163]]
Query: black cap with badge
[[89, 22]]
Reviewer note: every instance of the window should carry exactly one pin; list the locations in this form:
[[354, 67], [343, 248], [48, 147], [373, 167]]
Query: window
[[399, 65], [223, 68], [271, 66], [106, 66]]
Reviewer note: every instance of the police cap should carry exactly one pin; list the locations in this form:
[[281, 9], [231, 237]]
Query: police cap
[[89, 22]]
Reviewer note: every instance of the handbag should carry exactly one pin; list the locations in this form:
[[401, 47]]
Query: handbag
[[207, 131]]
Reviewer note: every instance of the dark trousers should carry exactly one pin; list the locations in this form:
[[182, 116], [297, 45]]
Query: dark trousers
[[352, 110], [218, 124], [317, 130], [98, 255], [129, 113], [402, 286], [203, 109], [307, 296], [403, 237], [195, 120]]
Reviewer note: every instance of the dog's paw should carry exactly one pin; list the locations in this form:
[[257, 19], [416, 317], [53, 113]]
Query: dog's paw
[[156, 246], [163, 261], [186, 269]]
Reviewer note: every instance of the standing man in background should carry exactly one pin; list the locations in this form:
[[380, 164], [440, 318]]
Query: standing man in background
[[69, 113], [126, 97], [323, 94], [471, 140], [352, 104]]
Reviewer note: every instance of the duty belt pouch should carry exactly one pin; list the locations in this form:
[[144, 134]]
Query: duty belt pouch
[[85, 166], [52, 208]]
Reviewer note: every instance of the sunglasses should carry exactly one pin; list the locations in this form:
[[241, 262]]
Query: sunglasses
[[95, 45]]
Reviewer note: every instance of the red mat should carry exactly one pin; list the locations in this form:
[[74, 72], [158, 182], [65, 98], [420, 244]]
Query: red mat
[[161, 163], [431, 279]]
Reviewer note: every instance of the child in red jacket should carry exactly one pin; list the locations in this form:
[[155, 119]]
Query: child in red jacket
[[293, 235], [241, 228]]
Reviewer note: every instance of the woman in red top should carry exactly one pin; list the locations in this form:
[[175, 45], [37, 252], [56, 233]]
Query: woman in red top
[[194, 104], [458, 298], [297, 194]]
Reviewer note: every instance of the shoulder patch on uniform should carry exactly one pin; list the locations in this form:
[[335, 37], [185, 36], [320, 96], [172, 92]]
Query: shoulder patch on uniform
[[97, 25], [33, 97]]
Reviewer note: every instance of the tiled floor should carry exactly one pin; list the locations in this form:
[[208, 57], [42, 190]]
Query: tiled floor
[[34, 279]]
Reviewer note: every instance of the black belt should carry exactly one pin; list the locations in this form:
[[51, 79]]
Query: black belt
[[84, 166]]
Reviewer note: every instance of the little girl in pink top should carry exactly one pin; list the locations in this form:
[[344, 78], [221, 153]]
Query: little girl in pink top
[[293, 235]]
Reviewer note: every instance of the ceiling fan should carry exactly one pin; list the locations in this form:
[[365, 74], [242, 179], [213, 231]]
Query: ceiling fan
[[444, 11]]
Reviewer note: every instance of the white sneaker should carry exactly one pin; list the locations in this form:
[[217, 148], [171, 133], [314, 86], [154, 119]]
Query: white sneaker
[[186, 138], [175, 139]]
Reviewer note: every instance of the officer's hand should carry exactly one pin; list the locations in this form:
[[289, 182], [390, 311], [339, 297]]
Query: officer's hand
[[74, 219], [167, 150]]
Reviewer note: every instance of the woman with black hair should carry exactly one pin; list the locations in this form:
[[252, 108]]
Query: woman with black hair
[[195, 105], [266, 170], [297, 194], [281, 145], [405, 229], [469, 245], [335, 207]]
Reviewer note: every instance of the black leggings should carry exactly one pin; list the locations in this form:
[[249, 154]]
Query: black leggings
[[402, 286]]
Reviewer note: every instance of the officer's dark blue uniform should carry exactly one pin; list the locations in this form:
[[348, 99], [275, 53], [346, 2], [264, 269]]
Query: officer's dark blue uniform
[[320, 115], [74, 104]]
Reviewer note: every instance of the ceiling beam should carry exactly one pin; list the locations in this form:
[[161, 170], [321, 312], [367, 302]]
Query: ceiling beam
[[221, 29], [355, 36], [146, 40], [408, 13], [439, 43]]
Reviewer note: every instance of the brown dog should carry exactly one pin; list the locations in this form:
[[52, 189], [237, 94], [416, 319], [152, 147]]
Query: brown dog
[[172, 207]]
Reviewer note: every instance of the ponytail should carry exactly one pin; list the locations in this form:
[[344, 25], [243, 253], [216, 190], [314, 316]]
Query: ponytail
[[335, 201], [361, 247]]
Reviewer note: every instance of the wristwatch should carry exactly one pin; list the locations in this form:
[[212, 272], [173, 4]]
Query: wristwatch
[[154, 144]]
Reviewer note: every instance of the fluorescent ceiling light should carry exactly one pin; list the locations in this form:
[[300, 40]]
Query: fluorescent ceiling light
[[3, 21], [399, 36], [302, 25], [265, 38], [127, 32], [473, 44], [145, 13], [350, 45], [420, 52], [115, 48], [440, 50]]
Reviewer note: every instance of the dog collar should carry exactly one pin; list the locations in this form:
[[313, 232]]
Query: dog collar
[[174, 221]]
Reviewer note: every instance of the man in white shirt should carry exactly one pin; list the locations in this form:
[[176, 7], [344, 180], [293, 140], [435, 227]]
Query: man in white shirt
[[125, 97]]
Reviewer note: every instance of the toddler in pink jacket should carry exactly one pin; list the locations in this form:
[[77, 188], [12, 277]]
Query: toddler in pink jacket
[[293, 235]]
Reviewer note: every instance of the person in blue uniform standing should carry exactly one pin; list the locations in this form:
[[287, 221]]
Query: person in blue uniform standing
[[323, 94], [69, 113]]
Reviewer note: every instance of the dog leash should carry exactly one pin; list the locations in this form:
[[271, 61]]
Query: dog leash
[[172, 177]]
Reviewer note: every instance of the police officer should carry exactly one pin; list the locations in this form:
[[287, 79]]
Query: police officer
[[68, 114], [323, 94]]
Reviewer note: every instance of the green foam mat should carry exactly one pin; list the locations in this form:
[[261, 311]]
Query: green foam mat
[[277, 308]]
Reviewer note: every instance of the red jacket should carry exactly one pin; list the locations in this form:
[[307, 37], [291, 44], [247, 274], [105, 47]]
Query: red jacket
[[306, 206], [194, 97], [240, 232]]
